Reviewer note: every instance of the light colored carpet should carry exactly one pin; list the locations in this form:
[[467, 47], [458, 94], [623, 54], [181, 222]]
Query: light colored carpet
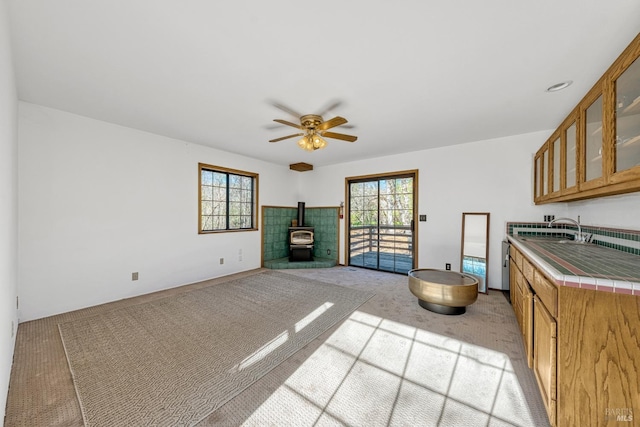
[[173, 361], [392, 363], [324, 377]]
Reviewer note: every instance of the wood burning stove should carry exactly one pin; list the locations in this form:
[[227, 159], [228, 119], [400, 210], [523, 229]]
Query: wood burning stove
[[300, 243], [301, 236], [301, 239]]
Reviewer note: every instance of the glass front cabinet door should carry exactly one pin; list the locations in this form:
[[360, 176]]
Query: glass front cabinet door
[[541, 174], [626, 88], [596, 150], [556, 163], [593, 144], [570, 150], [554, 166]]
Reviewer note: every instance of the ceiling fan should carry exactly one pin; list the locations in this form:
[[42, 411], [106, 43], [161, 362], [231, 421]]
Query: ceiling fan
[[314, 130]]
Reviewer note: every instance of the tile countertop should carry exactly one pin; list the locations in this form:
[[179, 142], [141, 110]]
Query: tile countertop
[[585, 266]]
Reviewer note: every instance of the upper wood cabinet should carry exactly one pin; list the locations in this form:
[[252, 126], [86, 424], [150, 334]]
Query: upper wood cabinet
[[596, 150]]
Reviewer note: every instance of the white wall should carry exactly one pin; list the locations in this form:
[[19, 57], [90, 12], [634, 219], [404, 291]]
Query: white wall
[[8, 208], [100, 201], [614, 211], [492, 176]]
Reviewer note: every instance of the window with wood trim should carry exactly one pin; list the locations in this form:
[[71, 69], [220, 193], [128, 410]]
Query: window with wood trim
[[227, 199]]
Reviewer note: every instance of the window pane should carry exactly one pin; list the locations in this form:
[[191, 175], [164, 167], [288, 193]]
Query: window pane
[[406, 184], [219, 222], [227, 200], [207, 208], [206, 192], [246, 209], [207, 177], [357, 189], [386, 217], [370, 217], [235, 181], [220, 194], [371, 188], [219, 179], [356, 218], [386, 187], [219, 208], [207, 223], [246, 183], [234, 221]]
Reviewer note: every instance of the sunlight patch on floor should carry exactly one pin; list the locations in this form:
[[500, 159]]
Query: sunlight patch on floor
[[300, 325], [376, 372], [263, 351]]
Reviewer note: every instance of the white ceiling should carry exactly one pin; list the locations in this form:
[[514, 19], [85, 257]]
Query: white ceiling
[[407, 74]]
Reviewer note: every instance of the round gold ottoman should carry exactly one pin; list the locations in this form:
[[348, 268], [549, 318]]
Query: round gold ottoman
[[443, 291]]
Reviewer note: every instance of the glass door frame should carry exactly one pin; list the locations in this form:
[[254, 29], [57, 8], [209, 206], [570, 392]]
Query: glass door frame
[[413, 173]]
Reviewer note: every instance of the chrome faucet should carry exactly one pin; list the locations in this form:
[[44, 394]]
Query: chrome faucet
[[579, 237]]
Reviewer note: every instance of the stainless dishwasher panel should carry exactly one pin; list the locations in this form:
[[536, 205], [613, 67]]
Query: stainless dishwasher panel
[[505, 265]]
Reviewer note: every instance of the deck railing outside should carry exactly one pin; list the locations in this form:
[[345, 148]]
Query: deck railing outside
[[388, 239]]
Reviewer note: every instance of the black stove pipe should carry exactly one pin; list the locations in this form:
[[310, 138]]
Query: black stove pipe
[[300, 214]]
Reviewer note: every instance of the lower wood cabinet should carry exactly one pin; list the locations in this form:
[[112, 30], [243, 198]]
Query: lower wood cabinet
[[522, 302], [545, 356], [582, 345], [528, 322], [530, 291], [598, 364]]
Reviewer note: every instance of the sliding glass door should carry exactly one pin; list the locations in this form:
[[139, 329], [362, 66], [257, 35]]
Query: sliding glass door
[[381, 221]]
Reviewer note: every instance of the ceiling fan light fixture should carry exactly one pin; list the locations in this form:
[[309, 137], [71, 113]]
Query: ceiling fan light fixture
[[304, 143], [312, 142], [314, 131], [318, 142]]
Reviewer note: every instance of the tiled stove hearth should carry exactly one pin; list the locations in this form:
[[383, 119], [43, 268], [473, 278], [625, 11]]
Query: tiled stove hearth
[[276, 240]]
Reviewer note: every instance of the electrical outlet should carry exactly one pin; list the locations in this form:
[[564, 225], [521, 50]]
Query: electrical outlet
[[221, 261], [423, 218], [134, 275], [447, 266], [548, 218], [240, 254]]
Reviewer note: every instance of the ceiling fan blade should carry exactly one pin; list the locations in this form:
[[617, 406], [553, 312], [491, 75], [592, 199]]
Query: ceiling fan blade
[[285, 108], [332, 105], [341, 136], [286, 137], [272, 126], [336, 121], [284, 122]]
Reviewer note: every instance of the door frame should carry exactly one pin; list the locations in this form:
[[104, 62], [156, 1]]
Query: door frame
[[347, 198]]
